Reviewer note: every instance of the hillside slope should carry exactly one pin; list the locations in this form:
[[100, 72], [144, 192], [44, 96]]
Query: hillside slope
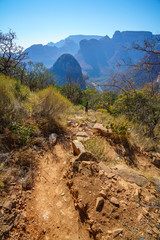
[[77, 197]]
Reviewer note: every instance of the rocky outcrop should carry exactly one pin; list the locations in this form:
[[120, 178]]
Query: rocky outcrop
[[68, 70]]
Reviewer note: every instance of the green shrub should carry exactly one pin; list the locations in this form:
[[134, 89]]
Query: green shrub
[[141, 107], [23, 130], [120, 128]]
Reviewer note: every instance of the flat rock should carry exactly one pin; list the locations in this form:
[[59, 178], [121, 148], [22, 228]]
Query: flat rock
[[156, 183], [99, 203], [99, 126], [78, 147], [104, 167], [82, 134], [102, 130], [8, 204], [117, 231], [4, 229], [130, 175], [27, 182]]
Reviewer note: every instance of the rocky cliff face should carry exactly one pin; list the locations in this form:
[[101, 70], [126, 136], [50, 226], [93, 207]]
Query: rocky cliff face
[[67, 69], [98, 57]]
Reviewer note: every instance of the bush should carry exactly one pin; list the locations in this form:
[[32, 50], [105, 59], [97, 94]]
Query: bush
[[50, 108], [12, 95], [23, 130], [97, 146], [141, 107], [7, 98]]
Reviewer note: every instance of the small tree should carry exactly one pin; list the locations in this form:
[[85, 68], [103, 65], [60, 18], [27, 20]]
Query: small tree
[[38, 76], [11, 55], [72, 90]]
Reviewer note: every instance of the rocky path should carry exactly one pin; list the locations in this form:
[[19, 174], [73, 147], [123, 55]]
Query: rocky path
[[51, 202], [63, 204]]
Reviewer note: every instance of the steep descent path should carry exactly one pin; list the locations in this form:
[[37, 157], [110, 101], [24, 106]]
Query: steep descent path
[[52, 203]]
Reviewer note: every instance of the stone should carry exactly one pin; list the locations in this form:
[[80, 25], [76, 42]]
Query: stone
[[4, 157], [156, 184], [70, 123], [114, 201], [136, 195], [99, 203], [116, 232], [99, 127], [111, 175], [78, 147], [4, 229], [8, 204], [81, 139], [102, 130], [130, 175], [27, 182], [92, 120], [102, 193], [101, 172], [52, 138], [36, 148], [155, 230], [82, 134]]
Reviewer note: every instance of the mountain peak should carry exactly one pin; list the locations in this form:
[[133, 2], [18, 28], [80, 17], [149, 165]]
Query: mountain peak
[[66, 69]]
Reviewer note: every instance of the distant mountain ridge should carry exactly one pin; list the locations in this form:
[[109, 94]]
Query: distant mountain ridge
[[96, 55], [49, 53], [75, 38]]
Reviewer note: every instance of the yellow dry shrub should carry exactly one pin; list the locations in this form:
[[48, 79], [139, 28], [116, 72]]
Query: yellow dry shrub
[[98, 147], [50, 108], [7, 98]]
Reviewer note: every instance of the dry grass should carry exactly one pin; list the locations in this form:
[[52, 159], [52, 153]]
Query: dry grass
[[98, 147], [50, 109]]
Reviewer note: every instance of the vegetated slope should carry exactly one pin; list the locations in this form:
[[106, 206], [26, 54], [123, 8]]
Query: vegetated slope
[[145, 71], [67, 69], [80, 198]]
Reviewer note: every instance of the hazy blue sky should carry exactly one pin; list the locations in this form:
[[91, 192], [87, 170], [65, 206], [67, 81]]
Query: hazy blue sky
[[42, 21]]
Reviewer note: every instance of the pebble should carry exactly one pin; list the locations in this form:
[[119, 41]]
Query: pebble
[[114, 201], [103, 193], [99, 203], [155, 230], [116, 232]]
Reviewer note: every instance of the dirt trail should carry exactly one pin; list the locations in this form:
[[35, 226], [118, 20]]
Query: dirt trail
[[52, 203]]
